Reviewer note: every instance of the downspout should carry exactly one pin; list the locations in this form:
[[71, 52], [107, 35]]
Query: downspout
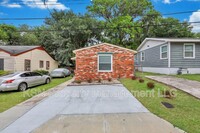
[[169, 56]]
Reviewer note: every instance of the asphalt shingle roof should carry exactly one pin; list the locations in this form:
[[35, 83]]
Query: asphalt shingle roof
[[14, 50]]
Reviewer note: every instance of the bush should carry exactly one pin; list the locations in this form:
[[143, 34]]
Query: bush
[[168, 94], [150, 85], [99, 80], [2, 73], [77, 81], [43, 72], [134, 78], [109, 79], [89, 80], [141, 80]]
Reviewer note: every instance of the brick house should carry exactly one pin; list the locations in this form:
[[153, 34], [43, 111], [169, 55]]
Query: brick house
[[104, 61]]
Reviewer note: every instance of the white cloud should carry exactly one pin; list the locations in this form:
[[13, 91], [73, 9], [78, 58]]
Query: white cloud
[[166, 1], [10, 5], [13, 5], [171, 1], [195, 17], [51, 4]]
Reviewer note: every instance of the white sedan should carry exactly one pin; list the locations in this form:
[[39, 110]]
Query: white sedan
[[22, 80]]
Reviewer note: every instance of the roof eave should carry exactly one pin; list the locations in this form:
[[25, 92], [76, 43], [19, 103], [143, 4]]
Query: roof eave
[[152, 39], [104, 44]]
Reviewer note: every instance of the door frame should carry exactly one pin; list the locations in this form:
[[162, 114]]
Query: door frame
[[2, 63]]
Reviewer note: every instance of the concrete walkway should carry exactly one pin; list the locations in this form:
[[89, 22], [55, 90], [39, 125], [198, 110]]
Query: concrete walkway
[[14, 113], [95, 108], [107, 123], [189, 86]]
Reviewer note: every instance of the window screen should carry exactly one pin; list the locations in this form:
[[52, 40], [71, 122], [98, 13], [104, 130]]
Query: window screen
[[189, 50], [105, 62]]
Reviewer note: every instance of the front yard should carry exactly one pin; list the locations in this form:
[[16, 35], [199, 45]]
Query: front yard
[[10, 99], [195, 77], [185, 113]]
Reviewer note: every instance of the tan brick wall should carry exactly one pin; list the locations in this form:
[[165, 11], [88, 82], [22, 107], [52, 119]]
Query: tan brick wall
[[87, 63], [8, 61]]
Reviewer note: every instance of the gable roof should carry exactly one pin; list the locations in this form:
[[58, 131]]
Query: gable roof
[[104, 44], [16, 50], [168, 40]]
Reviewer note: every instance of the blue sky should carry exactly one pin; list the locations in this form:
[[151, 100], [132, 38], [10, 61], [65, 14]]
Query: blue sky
[[36, 9]]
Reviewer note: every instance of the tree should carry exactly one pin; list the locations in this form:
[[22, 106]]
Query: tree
[[27, 35], [65, 32], [171, 27], [129, 22], [9, 34], [3, 35], [121, 18], [197, 35]]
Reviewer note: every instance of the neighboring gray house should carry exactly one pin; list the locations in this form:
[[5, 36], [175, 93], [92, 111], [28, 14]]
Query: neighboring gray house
[[168, 55]]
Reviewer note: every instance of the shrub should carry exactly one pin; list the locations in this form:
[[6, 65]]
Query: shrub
[[109, 79], [89, 80], [134, 78], [43, 72], [77, 81], [168, 94], [150, 85], [99, 80], [2, 73], [141, 80]]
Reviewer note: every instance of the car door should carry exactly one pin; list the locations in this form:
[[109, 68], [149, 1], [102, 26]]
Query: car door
[[66, 72], [37, 78], [26, 77]]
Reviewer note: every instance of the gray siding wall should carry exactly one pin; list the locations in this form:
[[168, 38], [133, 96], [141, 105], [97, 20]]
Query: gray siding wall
[[152, 58], [177, 59]]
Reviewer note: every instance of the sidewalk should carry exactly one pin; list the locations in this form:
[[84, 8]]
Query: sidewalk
[[189, 86]]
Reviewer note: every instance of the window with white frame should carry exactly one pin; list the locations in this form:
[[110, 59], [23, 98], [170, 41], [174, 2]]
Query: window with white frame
[[135, 57], [105, 62], [189, 50], [163, 52], [142, 56]]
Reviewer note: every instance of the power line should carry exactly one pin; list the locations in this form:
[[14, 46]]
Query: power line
[[118, 27], [22, 18], [47, 8], [183, 12]]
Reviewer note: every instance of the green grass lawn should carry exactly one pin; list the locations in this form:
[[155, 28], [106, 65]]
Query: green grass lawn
[[185, 115], [10, 99], [189, 76], [2, 73]]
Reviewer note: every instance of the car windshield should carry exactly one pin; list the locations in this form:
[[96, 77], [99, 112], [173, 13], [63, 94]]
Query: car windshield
[[58, 70]]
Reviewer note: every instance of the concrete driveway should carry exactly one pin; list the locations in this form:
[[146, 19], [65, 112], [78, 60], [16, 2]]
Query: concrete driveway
[[89, 109]]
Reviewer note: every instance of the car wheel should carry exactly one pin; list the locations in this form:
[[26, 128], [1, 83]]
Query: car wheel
[[22, 87], [48, 81]]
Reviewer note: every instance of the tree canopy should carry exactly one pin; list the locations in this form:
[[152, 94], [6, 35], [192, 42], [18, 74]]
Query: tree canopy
[[68, 31]]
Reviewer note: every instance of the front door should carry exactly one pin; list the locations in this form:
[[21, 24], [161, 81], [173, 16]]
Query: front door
[[1, 64]]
